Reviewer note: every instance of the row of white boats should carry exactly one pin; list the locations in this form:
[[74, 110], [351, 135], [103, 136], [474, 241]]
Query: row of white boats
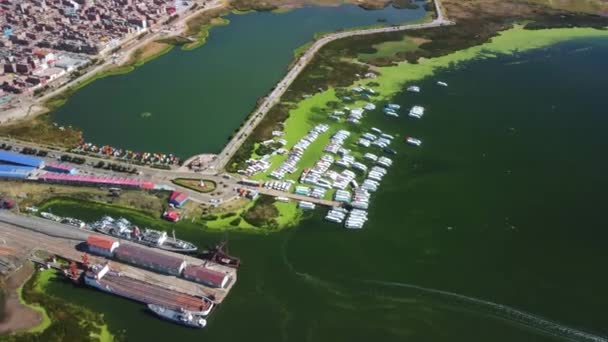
[[320, 177]]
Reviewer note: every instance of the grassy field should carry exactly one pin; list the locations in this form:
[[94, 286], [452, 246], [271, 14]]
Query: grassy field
[[32, 194], [195, 184]]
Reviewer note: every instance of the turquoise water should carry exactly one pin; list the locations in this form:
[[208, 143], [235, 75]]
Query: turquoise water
[[494, 226], [198, 98]]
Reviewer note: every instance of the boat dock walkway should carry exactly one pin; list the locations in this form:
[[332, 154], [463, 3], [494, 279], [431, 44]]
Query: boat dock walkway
[[295, 197], [66, 242]]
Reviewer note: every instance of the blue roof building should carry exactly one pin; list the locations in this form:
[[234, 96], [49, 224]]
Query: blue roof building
[[15, 172], [20, 159]]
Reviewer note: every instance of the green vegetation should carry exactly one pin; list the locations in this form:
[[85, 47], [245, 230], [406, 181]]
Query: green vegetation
[[399, 57], [299, 51], [195, 184], [194, 221], [263, 213], [41, 130], [388, 50], [199, 28], [65, 321], [45, 320]]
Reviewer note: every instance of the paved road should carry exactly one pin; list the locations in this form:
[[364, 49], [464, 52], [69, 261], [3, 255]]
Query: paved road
[[255, 118], [227, 186]]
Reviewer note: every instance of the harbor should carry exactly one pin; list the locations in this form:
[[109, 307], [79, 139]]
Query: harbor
[[351, 165]]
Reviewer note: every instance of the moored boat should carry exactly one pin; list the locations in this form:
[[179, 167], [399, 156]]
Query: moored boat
[[413, 141], [123, 229], [181, 316]]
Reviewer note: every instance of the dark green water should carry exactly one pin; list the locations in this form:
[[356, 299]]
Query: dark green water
[[198, 98], [513, 160]]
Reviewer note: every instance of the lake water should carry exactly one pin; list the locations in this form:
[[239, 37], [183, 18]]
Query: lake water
[[198, 98], [502, 210]]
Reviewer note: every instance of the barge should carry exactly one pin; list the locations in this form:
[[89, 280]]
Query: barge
[[107, 280]]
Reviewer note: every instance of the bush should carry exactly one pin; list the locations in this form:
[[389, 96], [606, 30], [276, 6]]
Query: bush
[[235, 222], [227, 215], [209, 218]]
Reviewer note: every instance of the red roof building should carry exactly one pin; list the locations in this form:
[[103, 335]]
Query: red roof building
[[171, 216], [178, 198], [101, 245], [145, 258], [206, 276]]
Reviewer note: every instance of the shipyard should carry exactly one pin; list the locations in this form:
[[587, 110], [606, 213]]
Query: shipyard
[[135, 272]]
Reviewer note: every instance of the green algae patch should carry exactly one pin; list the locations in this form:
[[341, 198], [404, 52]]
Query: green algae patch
[[60, 320], [39, 286], [289, 214], [392, 78]]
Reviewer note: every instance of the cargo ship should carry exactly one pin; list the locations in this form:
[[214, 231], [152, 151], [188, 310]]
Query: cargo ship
[[179, 316], [104, 279], [123, 229]]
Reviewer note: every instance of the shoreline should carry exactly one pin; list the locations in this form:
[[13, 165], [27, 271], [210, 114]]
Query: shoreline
[[198, 25], [32, 295], [20, 316], [392, 79], [96, 71]]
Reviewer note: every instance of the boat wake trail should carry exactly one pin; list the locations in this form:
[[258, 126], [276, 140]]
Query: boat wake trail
[[507, 312]]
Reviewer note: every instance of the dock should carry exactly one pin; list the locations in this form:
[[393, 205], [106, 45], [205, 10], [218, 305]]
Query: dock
[[295, 197], [66, 242]]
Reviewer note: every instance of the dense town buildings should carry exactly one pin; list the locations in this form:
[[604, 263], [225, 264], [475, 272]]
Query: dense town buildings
[[42, 40]]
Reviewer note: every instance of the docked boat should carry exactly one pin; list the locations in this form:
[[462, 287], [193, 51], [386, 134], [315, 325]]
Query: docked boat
[[393, 106], [50, 216], [413, 89], [123, 229], [443, 84], [413, 141], [389, 151], [103, 278], [219, 254], [393, 114], [306, 205], [180, 316], [416, 112], [73, 222]]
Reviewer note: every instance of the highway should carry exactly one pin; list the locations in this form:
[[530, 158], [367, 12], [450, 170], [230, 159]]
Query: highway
[[257, 116]]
